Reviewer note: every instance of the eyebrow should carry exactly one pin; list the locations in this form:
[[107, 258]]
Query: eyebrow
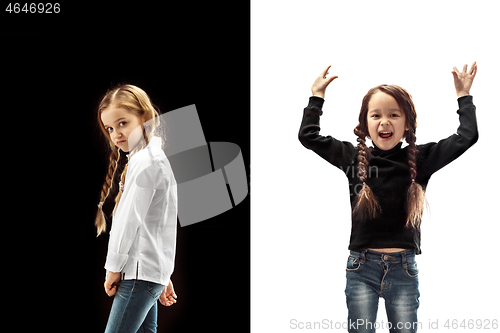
[[378, 110], [117, 120]]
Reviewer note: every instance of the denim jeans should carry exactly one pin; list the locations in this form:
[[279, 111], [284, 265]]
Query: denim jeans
[[393, 276], [134, 307]]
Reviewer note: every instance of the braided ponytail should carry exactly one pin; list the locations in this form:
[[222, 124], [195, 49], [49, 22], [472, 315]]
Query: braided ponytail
[[100, 220], [416, 195], [367, 205]]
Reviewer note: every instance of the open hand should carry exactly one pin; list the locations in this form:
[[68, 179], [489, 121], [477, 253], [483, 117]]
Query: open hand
[[168, 296], [463, 80], [319, 86]]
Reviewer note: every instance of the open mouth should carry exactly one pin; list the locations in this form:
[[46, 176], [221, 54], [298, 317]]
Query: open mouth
[[385, 135]]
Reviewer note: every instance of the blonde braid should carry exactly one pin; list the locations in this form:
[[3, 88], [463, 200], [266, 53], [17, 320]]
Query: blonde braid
[[100, 221]]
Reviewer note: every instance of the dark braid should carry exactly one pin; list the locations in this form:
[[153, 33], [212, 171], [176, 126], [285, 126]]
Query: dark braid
[[367, 206], [416, 195]]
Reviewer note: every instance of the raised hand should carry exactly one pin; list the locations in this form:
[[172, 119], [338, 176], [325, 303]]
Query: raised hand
[[463, 80], [319, 86]]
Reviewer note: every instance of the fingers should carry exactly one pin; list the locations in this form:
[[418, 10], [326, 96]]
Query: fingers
[[473, 69], [109, 289], [167, 301], [168, 298], [325, 72], [112, 291]]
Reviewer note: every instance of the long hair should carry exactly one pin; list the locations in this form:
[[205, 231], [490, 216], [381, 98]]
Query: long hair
[[367, 205], [136, 101]]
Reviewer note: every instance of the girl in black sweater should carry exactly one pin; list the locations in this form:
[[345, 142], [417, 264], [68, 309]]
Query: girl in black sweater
[[387, 188]]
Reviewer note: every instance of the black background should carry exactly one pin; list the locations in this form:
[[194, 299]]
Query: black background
[[55, 68]]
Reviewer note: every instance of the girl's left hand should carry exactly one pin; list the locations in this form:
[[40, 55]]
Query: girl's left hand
[[168, 296], [111, 282], [463, 80]]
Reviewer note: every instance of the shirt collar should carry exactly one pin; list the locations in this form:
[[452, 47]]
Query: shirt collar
[[153, 142], [379, 152]]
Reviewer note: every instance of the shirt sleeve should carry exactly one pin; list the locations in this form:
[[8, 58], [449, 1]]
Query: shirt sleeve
[[338, 153], [434, 156], [132, 209]]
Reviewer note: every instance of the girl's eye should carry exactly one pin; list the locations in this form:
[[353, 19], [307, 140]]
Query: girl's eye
[[121, 124], [395, 115], [375, 116]]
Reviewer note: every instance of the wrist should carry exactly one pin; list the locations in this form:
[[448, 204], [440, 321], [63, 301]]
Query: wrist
[[462, 93], [319, 94]]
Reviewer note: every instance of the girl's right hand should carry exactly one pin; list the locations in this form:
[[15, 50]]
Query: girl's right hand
[[463, 80], [319, 86]]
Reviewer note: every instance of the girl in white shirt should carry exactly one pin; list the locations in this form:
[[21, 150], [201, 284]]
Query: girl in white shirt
[[142, 239]]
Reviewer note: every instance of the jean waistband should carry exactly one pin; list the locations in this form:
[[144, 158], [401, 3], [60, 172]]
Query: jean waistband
[[402, 256]]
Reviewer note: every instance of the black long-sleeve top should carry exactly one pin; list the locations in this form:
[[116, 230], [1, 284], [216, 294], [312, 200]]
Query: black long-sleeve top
[[388, 174]]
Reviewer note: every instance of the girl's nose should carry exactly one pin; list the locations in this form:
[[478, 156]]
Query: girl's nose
[[117, 135]]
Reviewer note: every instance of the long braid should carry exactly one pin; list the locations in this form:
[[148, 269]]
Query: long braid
[[100, 221], [416, 195], [367, 205]]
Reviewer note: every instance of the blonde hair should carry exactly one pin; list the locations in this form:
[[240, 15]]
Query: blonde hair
[[136, 101]]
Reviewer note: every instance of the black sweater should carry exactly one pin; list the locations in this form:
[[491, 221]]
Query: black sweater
[[388, 174]]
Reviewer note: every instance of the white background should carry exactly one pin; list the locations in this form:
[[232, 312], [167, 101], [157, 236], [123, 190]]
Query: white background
[[300, 203]]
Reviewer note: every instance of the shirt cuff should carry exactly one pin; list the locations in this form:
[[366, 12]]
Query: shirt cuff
[[314, 106], [115, 261], [465, 100], [315, 101]]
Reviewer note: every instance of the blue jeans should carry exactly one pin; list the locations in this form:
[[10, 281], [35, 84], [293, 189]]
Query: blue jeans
[[134, 307], [393, 276]]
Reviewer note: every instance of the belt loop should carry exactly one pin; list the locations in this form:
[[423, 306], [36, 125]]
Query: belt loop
[[363, 255], [403, 258]]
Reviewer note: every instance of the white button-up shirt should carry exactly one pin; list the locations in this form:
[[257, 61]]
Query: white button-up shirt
[[143, 234]]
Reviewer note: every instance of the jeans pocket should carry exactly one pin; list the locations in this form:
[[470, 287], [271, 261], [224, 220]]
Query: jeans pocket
[[353, 264], [411, 269], [155, 289]]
